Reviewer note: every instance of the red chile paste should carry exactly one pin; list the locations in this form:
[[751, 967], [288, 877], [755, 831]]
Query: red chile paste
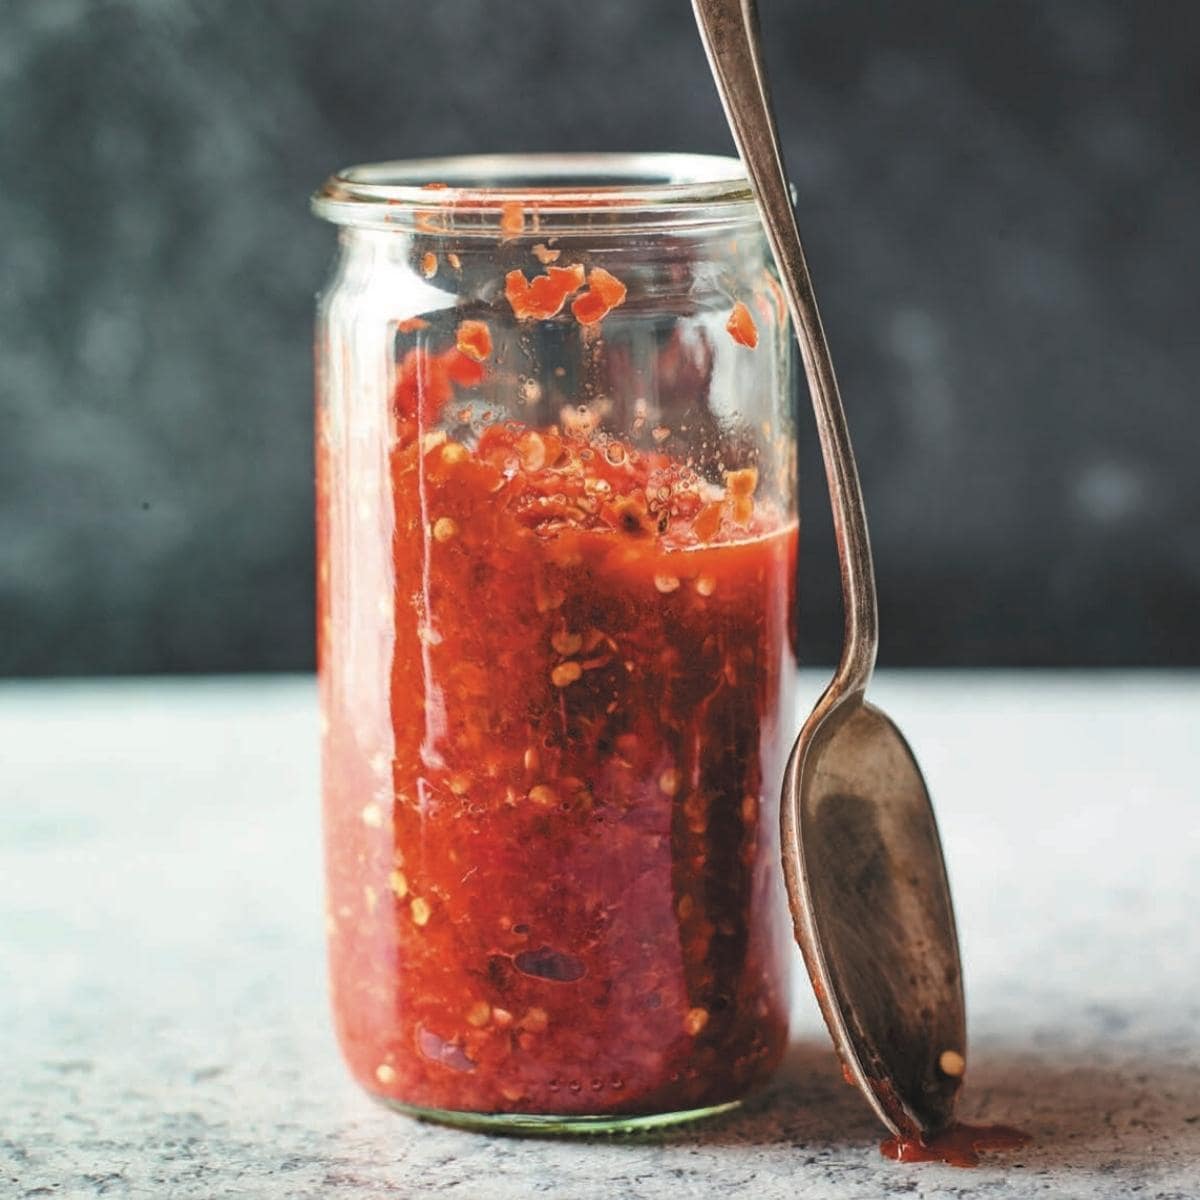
[[552, 853]]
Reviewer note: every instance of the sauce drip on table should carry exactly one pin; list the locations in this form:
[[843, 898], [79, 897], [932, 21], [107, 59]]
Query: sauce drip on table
[[958, 1146]]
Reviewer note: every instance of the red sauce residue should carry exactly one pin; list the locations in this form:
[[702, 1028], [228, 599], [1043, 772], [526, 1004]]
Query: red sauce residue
[[512, 219], [552, 850], [543, 295], [958, 1146], [425, 382]]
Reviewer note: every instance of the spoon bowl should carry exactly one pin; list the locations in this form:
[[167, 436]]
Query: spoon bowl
[[874, 917]]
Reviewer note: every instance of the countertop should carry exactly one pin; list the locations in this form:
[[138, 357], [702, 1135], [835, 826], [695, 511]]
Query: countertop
[[163, 1029]]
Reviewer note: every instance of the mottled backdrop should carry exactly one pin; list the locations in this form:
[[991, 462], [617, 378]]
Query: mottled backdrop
[[1002, 207]]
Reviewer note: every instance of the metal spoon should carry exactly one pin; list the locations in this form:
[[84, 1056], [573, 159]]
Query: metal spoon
[[865, 877]]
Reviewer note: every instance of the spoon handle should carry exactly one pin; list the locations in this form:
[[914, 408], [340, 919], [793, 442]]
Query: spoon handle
[[729, 29]]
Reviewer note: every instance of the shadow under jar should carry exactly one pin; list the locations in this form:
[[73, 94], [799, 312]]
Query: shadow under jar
[[556, 577]]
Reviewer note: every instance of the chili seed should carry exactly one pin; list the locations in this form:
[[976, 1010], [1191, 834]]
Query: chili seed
[[566, 643], [479, 1014], [535, 1020], [952, 1063], [565, 674]]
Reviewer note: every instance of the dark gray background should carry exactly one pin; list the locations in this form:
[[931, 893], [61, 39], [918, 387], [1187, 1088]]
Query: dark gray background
[[1002, 208]]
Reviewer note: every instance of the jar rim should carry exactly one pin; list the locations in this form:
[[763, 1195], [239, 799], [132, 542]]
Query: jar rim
[[474, 193]]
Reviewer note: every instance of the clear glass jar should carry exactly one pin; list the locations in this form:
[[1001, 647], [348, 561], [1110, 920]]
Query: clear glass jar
[[556, 561]]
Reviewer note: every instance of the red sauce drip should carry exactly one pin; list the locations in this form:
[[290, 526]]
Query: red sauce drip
[[958, 1146]]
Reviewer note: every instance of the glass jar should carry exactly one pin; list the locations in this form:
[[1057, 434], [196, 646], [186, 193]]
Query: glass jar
[[556, 560]]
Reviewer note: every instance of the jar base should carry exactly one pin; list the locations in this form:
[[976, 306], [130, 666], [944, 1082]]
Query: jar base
[[550, 1125]]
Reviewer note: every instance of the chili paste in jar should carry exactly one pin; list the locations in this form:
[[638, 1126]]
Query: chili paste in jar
[[553, 861]]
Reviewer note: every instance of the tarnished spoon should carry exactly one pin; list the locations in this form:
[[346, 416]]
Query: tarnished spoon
[[866, 881]]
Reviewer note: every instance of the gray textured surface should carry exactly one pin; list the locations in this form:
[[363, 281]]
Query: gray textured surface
[[162, 1021], [1002, 210]]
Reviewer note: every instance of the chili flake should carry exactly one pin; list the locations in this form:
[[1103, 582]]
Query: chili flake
[[474, 340], [544, 295], [743, 482], [741, 326], [604, 293]]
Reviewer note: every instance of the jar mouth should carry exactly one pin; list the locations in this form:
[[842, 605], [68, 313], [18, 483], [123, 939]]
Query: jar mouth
[[486, 194]]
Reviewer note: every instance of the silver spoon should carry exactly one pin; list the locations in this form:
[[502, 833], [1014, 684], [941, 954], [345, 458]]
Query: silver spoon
[[865, 877]]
